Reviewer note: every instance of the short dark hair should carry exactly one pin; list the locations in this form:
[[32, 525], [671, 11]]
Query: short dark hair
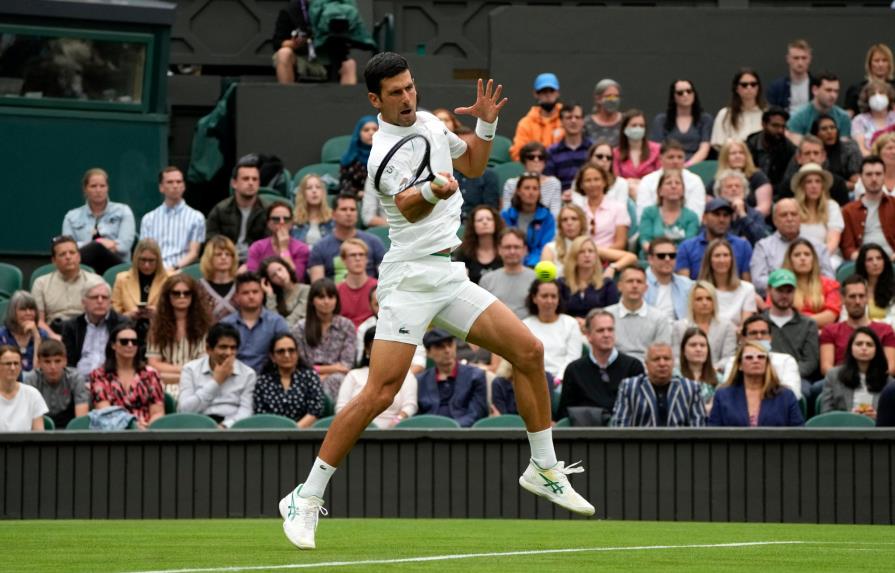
[[854, 279], [671, 144], [515, 231], [381, 66], [344, 197], [246, 278], [219, 331], [634, 267], [872, 160], [61, 240], [752, 320], [531, 147], [168, 169], [49, 348], [774, 111], [246, 161], [660, 241], [567, 108], [822, 77]]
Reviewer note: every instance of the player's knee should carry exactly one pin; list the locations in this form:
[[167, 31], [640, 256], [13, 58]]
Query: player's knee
[[285, 56], [529, 351], [385, 395]]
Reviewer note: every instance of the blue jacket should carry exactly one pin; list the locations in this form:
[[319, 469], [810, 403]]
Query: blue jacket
[[680, 292], [541, 231], [729, 408], [468, 402], [778, 91], [636, 404]]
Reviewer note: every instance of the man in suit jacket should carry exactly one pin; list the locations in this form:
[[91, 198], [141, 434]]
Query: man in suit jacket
[[658, 398], [85, 336], [449, 388]]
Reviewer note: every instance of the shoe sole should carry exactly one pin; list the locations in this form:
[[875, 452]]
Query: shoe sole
[[587, 512], [296, 543]]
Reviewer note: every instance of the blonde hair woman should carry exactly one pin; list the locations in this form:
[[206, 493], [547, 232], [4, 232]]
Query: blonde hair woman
[[571, 224], [585, 286], [735, 155], [703, 314], [736, 297], [879, 65], [816, 296], [821, 217], [313, 217], [218, 265], [129, 295]]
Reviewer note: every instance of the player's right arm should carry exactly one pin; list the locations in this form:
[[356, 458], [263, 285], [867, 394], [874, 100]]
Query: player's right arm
[[414, 206]]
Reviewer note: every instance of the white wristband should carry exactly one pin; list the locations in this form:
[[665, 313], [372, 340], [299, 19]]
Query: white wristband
[[428, 195], [485, 130]]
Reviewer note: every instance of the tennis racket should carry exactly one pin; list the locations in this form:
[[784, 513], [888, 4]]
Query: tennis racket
[[418, 148]]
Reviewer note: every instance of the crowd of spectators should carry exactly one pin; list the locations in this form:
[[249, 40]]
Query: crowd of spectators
[[754, 296]]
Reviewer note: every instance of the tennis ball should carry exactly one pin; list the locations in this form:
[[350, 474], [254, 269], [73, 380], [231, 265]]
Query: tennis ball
[[545, 271]]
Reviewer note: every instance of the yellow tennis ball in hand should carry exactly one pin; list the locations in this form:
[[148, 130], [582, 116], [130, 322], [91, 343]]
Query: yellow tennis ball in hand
[[545, 271]]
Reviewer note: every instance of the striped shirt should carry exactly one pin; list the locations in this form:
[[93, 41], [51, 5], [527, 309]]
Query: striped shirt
[[173, 228]]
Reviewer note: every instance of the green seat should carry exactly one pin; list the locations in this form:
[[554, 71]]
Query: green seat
[[817, 404], [706, 171], [500, 150], [382, 233], [79, 423], [183, 422], [334, 148], [502, 421], [324, 422], [803, 406], [329, 172], [10, 279], [170, 404], [269, 196], [49, 424], [506, 171], [47, 269], [264, 422], [557, 392], [845, 270], [193, 271], [328, 407], [427, 421], [840, 420], [4, 304], [563, 423], [112, 272]]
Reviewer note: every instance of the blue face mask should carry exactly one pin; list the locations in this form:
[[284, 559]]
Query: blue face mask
[[766, 344]]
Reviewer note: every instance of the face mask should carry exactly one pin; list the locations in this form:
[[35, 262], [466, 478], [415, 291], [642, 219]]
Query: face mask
[[547, 105], [635, 133], [766, 344], [611, 105], [878, 102]]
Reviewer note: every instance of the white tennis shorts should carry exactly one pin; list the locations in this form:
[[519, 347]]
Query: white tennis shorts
[[432, 289]]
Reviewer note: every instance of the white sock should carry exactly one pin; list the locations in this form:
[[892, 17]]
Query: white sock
[[319, 476], [542, 452]]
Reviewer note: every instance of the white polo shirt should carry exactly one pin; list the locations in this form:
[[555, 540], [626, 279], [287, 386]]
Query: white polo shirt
[[437, 230]]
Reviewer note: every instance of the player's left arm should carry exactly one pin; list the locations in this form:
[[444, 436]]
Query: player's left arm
[[486, 108]]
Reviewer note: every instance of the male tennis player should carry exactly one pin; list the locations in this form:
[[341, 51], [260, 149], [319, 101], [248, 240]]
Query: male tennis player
[[419, 285]]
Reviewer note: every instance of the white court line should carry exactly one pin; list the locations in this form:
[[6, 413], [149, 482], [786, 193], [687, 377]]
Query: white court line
[[475, 556]]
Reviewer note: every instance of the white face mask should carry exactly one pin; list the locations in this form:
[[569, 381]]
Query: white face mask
[[878, 102], [635, 133], [766, 344]]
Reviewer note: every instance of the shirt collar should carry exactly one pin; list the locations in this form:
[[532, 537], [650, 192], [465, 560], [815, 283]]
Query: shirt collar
[[176, 208], [623, 310], [392, 129], [612, 358], [451, 376]]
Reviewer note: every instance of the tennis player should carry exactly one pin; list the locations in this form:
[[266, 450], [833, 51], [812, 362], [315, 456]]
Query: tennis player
[[419, 285]]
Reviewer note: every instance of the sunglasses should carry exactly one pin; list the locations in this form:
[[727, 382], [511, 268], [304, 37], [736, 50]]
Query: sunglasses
[[279, 219], [665, 256], [685, 91], [754, 356], [535, 157], [748, 84], [602, 156], [127, 341], [531, 174], [285, 351], [181, 293]]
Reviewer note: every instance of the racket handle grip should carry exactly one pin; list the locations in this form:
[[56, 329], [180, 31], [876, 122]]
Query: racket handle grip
[[440, 180]]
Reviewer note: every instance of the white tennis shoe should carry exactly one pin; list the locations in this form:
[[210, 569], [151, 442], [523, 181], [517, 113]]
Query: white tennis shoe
[[553, 485], [300, 516]]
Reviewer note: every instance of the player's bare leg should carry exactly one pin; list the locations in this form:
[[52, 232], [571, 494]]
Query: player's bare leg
[[389, 363], [501, 332]]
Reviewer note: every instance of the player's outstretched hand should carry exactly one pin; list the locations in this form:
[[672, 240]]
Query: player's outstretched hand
[[487, 104], [445, 191]]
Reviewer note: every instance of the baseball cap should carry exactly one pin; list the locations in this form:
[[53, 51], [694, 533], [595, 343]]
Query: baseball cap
[[547, 80], [781, 277], [436, 336], [718, 203]]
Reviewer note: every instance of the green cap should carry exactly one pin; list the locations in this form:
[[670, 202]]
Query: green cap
[[781, 277]]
